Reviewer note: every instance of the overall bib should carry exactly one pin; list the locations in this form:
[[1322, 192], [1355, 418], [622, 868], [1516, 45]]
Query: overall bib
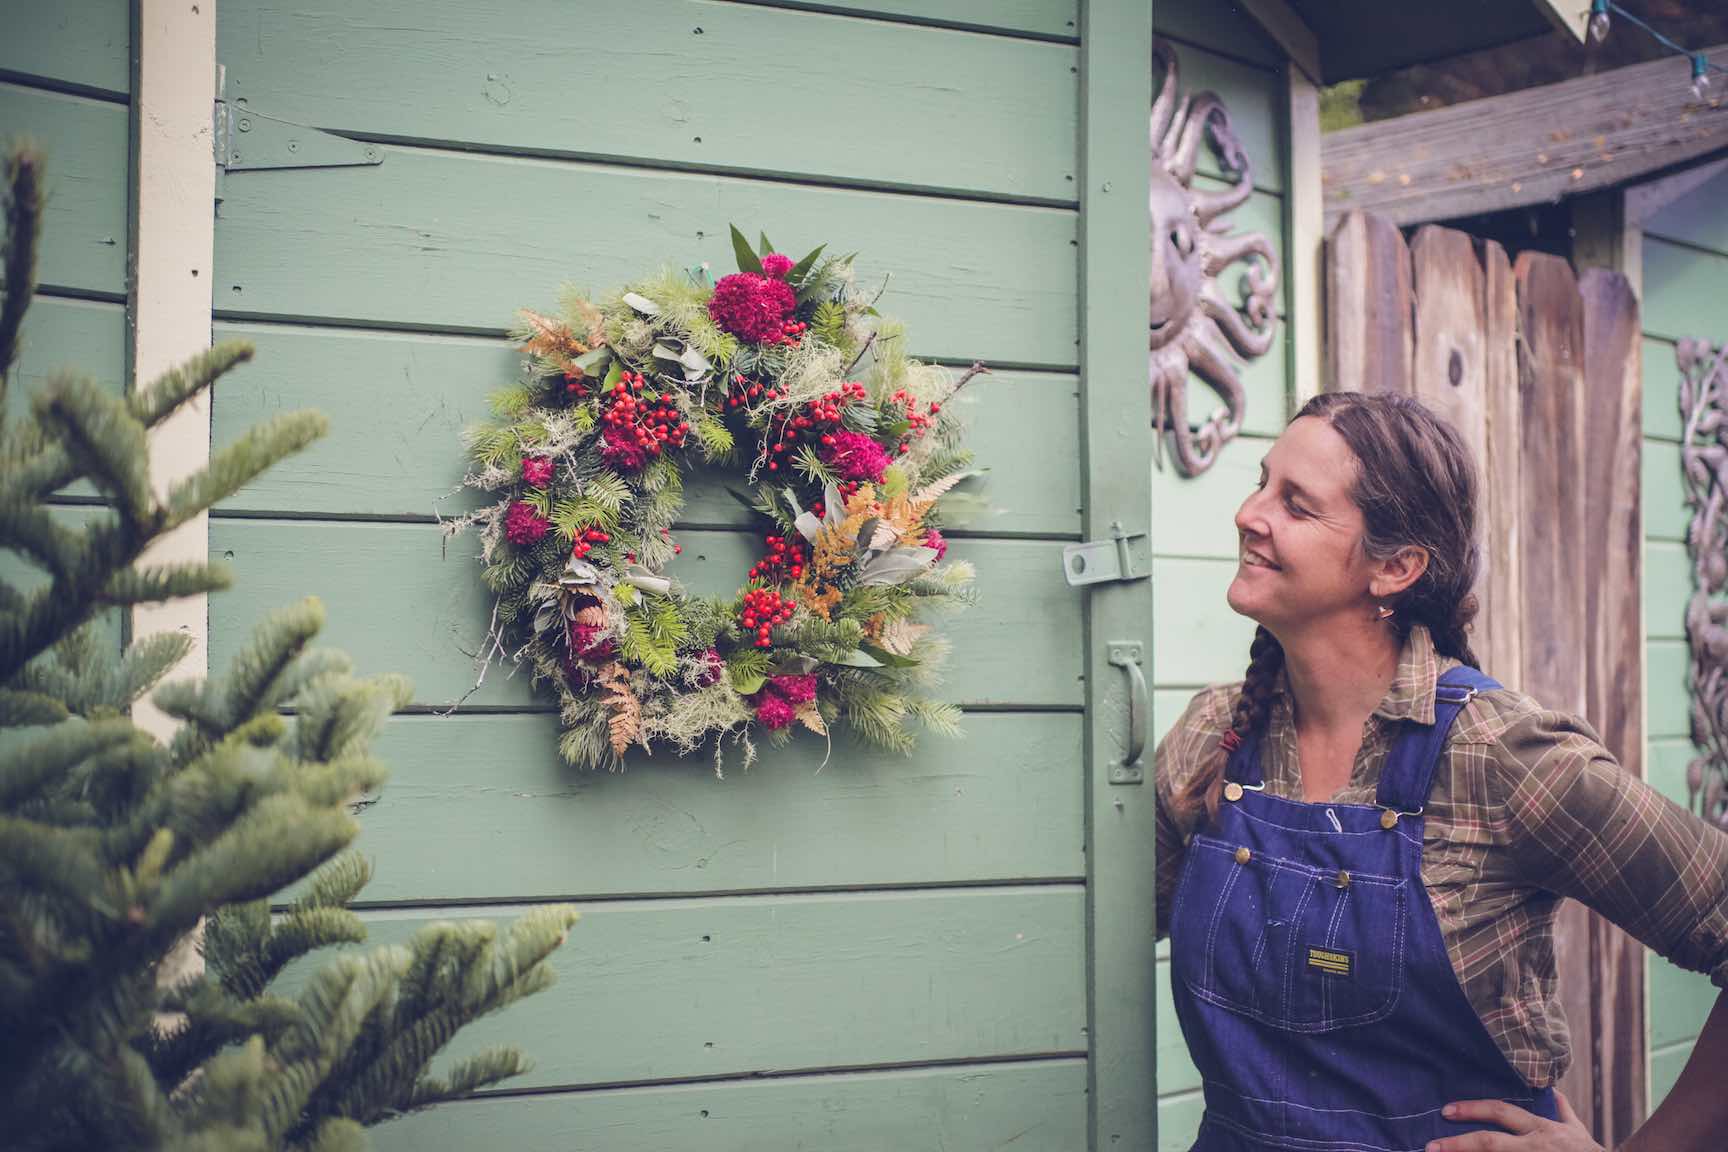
[[1311, 980]]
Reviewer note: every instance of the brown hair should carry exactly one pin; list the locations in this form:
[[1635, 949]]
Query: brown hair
[[1416, 485]]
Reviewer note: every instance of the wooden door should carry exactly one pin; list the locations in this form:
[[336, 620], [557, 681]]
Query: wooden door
[[1539, 368], [951, 950]]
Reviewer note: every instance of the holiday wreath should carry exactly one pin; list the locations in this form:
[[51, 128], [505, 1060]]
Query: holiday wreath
[[784, 379]]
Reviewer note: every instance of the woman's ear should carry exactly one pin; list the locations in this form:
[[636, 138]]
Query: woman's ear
[[1394, 575]]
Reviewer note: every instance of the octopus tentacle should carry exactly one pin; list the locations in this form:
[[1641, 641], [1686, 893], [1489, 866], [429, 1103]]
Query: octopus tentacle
[[1208, 206], [1215, 367], [1205, 112], [1165, 104], [1246, 340]]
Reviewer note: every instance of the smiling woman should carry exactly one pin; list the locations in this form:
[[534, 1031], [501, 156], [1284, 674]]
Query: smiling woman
[[1362, 845]]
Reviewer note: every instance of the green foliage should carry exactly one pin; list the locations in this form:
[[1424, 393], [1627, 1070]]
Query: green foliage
[[115, 848], [653, 629]]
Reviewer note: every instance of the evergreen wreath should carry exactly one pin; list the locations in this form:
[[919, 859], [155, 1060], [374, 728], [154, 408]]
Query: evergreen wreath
[[782, 376]]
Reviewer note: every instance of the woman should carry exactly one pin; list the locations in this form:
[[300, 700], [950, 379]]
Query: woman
[[1361, 846]]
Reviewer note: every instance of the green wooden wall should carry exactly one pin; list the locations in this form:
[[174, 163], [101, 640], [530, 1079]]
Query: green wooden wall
[[65, 84], [1685, 282]]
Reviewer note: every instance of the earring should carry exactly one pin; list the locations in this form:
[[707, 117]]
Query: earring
[[1384, 612]]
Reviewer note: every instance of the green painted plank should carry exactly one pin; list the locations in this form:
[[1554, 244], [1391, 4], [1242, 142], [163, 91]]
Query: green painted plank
[[1696, 218], [1664, 499], [1254, 98], [1667, 588], [81, 42], [421, 240], [1176, 1072], [1221, 26], [1199, 640], [1168, 704], [1197, 517], [1665, 1068], [1039, 17], [1667, 707], [670, 989], [398, 403], [1661, 394], [481, 807], [396, 604], [1665, 767], [1035, 1106], [1179, 1121], [698, 84], [86, 337], [1683, 290], [1680, 1002], [85, 144]]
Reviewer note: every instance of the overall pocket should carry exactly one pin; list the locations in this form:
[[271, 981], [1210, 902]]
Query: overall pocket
[[1287, 943]]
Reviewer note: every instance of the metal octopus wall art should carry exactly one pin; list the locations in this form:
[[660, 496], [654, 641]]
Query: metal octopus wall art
[[1193, 325], [1704, 470]]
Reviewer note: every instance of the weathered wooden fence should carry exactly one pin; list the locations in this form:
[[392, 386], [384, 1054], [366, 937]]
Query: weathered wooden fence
[[1539, 368]]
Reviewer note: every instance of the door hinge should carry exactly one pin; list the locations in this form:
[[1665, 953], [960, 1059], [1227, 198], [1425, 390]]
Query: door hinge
[[1125, 556], [247, 140]]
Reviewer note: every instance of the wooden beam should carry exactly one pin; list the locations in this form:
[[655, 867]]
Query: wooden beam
[[1570, 16], [1304, 232], [1290, 33], [1526, 147]]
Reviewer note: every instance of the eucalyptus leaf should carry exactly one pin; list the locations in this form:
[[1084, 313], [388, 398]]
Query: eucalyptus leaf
[[592, 361], [796, 665], [867, 531], [791, 499], [857, 658], [744, 683], [613, 375], [833, 506], [886, 657], [808, 526], [896, 567], [637, 576], [802, 268], [748, 261], [642, 304], [695, 364]]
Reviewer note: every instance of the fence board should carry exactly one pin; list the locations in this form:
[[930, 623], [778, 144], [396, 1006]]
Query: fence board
[[1502, 472], [1614, 535], [1369, 346], [668, 989], [566, 79], [1036, 1106], [480, 806], [420, 241], [395, 604]]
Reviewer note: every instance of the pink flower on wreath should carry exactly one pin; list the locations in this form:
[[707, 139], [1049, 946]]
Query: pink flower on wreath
[[773, 710], [587, 644], [620, 450], [523, 525], [537, 470], [752, 307], [776, 265], [857, 456], [713, 667], [933, 539], [796, 689]]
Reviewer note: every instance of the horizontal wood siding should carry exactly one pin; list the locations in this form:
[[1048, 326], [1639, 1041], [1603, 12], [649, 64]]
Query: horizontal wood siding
[[1685, 279]]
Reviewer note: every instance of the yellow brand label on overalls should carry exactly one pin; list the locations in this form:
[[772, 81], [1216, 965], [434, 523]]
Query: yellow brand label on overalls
[[1331, 962]]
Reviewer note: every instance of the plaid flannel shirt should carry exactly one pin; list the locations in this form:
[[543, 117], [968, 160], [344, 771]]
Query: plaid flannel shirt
[[1528, 807]]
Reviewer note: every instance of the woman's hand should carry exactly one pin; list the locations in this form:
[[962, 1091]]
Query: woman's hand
[[1525, 1131]]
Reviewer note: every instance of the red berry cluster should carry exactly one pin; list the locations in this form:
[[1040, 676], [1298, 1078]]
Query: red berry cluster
[[785, 560], [917, 423], [677, 549], [745, 390], [587, 539], [790, 330], [818, 421], [764, 608], [653, 424]]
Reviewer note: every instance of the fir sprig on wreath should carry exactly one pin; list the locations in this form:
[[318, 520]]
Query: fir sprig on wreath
[[784, 376]]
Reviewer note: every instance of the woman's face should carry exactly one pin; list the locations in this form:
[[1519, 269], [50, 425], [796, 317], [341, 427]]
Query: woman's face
[[1301, 559]]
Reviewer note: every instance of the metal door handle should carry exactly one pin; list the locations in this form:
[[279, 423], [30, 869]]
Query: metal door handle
[[1131, 770]]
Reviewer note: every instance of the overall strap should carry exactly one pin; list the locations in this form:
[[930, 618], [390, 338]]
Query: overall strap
[[1408, 775]]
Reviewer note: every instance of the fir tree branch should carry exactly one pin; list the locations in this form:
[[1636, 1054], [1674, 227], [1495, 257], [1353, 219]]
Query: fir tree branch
[[18, 257]]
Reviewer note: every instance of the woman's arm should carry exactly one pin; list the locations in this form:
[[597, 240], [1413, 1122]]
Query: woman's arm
[[1694, 1116]]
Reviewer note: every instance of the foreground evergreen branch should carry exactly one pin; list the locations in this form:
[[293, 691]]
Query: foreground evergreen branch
[[115, 849]]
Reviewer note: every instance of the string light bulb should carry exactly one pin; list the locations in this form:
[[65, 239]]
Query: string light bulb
[[1599, 20], [1700, 76]]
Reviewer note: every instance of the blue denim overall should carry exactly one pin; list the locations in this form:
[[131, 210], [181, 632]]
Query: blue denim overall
[[1311, 980]]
